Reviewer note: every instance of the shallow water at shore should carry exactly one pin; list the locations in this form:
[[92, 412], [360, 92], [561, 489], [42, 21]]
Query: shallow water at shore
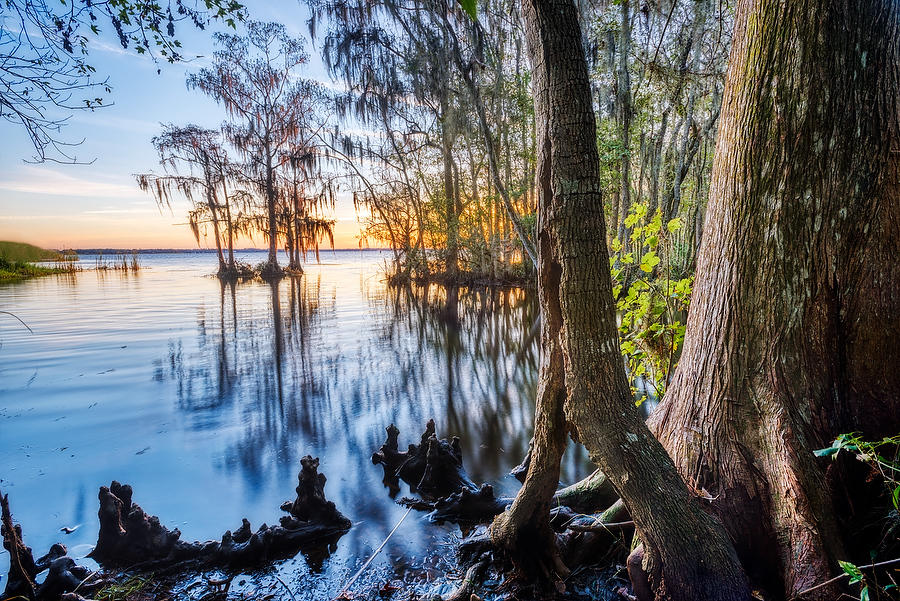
[[205, 396]]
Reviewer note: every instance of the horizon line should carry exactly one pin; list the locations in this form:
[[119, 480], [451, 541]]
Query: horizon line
[[209, 250]]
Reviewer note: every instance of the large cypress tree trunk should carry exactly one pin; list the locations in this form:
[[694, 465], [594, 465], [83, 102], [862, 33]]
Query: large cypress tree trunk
[[793, 334], [583, 390]]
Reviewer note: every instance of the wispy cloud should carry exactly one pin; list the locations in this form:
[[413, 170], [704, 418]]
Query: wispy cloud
[[132, 210], [43, 180]]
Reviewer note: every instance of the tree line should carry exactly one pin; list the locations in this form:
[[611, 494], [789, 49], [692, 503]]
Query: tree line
[[261, 171]]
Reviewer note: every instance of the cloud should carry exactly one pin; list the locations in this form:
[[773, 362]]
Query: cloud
[[99, 118], [122, 210], [42, 180]]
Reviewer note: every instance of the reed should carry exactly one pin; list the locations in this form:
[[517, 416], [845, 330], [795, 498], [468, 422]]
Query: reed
[[124, 263]]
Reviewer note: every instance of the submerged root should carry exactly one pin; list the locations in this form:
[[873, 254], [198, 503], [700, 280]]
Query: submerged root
[[467, 507]]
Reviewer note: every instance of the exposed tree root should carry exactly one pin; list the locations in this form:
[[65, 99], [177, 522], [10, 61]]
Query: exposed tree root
[[22, 570], [434, 469], [63, 575], [130, 537], [588, 495], [581, 540]]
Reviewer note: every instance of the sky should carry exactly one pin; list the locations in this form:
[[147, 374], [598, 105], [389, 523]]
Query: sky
[[99, 205]]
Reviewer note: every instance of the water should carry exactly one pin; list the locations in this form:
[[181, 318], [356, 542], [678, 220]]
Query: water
[[204, 398]]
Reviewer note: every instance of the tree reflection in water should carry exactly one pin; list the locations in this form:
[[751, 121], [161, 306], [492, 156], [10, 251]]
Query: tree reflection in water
[[312, 366]]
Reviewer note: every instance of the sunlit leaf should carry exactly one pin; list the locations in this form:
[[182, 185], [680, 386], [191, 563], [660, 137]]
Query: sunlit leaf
[[471, 8]]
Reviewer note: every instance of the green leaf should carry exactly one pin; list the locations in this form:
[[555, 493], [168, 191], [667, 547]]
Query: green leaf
[[631, 220], [851, 570], [674, 225], [826, 452], [655, 224], [649, 261], [864, 595], [470, 7]]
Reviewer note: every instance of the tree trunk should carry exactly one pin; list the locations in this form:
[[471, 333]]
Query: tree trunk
[[583, 389], [271, 213], [214, 217], [450, 214], [623, 103], [229, 225], [793, 335]]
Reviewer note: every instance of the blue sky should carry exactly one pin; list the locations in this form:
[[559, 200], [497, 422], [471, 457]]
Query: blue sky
[[99, 205]]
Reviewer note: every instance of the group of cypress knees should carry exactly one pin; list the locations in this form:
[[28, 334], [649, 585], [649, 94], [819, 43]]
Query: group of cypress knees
[[132, 542]]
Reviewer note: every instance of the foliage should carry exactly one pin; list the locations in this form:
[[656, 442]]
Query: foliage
[[274, 116], [17, 261], [122, 591], [44, 47], [652, 300], [416, 75], [197, 166], [20, 270], [20, 251], [883, 455]]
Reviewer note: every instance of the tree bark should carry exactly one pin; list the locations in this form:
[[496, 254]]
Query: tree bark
[[623, 103], [450, 206], [793, 335], [583, 389]]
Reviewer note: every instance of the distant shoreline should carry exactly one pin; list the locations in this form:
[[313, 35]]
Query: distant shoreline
[[167, 251]]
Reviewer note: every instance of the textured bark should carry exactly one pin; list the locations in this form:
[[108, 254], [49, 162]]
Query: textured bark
[[793, 335], [623, 105], [451, 213], [583, 389]]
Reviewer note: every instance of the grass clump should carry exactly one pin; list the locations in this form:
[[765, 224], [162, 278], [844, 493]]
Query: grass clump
[[122, 591], [20, 270]]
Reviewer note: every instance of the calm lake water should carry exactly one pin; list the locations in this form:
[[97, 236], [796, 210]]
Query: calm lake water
[[204, 398]]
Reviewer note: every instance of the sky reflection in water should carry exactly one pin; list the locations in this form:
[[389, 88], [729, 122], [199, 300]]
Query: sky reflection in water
[[204, 397]]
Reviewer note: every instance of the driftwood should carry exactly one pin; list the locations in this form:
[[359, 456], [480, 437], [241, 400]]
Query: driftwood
[[130, 537]]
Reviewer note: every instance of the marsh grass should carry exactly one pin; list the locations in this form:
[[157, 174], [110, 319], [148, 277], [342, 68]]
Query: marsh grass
[[11, 271], [126, 590], [125, 263]]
